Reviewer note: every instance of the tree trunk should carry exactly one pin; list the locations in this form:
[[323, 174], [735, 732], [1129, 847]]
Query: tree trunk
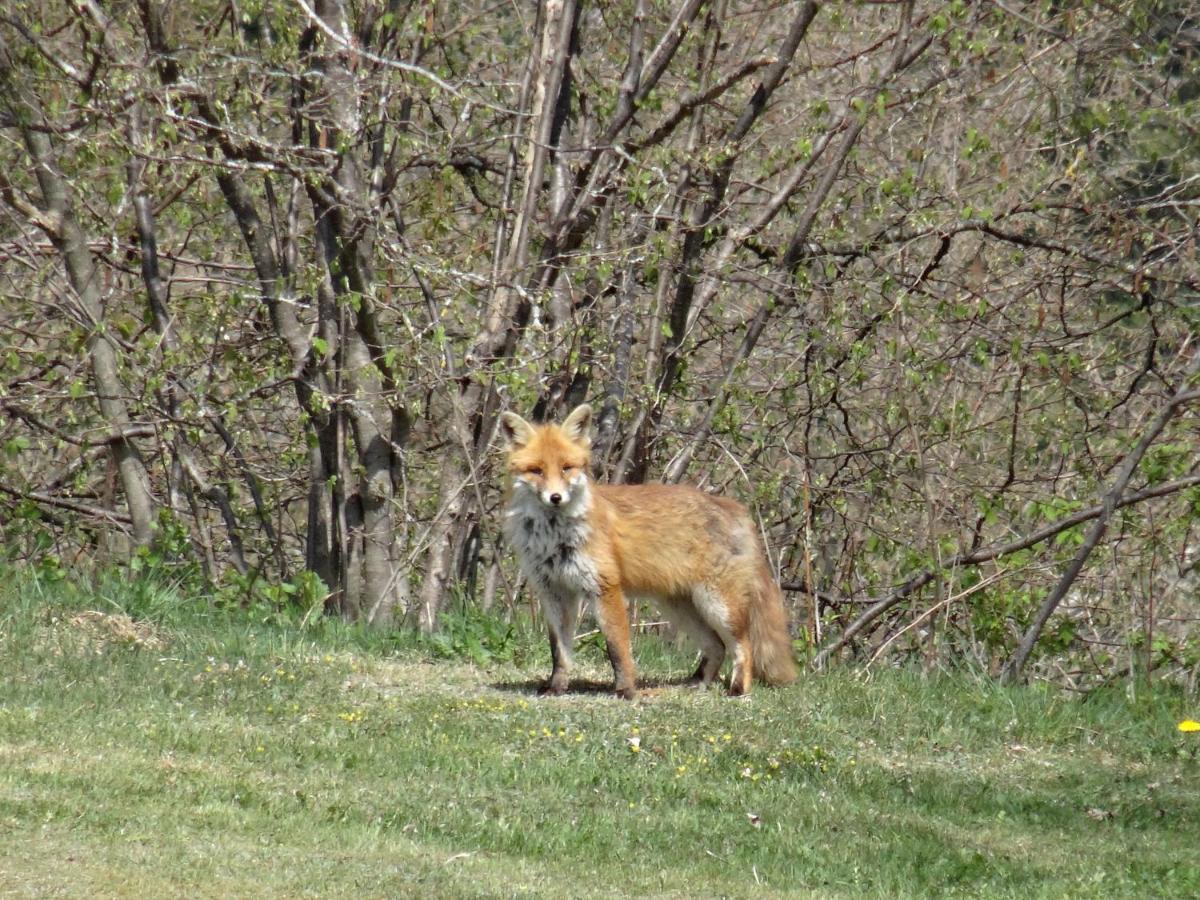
[[57, 220]]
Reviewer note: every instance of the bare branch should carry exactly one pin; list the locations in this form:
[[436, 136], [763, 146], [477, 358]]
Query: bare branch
[[986, 554]]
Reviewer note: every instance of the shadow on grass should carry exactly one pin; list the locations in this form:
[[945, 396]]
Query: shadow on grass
[[646, 686]]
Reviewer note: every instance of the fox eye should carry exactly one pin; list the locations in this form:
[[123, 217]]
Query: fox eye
[[534, 470], [568, 469]]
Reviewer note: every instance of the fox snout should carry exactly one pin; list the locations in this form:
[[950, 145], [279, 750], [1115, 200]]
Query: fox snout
[[556, 494]]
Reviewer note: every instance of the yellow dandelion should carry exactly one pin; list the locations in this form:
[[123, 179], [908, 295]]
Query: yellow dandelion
[[1188, 725]]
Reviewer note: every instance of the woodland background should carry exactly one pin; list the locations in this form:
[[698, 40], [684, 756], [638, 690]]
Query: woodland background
[[917, 281]]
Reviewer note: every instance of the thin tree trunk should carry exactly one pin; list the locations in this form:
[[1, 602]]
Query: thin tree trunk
[[476, 401], [683, 308], [156, 297], [797, 250], [57, 220], [345, 238]]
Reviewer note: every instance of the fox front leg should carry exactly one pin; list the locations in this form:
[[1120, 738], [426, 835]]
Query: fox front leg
[[561, 615], [614, 623]]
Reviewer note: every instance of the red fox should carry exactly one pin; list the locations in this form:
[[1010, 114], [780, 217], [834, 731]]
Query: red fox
[[696, 555]]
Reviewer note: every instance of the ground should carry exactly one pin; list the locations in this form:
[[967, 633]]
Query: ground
[[220, 755]]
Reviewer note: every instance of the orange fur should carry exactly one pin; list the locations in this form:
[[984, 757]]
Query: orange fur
[[696, 555]]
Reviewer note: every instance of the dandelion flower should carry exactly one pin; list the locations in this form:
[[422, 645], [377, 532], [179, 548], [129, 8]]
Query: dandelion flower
[[1189, 725]]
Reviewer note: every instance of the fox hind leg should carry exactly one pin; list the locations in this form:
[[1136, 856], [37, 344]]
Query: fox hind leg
[[683, 614], [711, 659], [712, 605], [742, 675]]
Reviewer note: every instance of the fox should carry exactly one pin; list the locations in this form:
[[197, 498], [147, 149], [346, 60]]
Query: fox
[[696, 555]]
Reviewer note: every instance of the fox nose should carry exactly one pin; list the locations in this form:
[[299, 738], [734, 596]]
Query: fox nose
[[555, 499]]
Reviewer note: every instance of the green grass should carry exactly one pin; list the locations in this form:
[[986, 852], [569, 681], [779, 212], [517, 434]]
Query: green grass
[[189, 751]]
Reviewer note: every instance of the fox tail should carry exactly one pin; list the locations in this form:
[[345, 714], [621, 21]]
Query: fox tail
[[770, 643]]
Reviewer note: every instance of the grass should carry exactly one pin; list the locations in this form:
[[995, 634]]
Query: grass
[[155, 746]]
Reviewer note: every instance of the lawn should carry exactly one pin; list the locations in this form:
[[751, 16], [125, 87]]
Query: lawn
[[153, 745]]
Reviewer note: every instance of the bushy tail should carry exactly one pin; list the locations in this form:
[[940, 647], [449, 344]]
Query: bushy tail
[[770, 643]]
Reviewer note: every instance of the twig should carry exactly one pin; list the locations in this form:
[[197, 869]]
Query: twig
[[637, 625], [110, 515], [986, 554], [929, 612], [1112, 500]]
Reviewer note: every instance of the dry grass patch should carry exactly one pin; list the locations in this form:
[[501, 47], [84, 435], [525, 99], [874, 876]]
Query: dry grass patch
[[96, 630]]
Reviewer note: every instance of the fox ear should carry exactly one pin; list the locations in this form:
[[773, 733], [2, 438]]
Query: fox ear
[[515, 430], [578, 425]]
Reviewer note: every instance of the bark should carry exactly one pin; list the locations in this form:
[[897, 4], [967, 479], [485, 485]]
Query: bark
[[57, 219], [345, 240]]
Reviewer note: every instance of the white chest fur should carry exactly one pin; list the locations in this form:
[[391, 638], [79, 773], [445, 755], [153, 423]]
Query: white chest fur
[[550, 541]]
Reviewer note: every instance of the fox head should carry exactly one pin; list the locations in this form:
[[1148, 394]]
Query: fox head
[[550, 462]]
